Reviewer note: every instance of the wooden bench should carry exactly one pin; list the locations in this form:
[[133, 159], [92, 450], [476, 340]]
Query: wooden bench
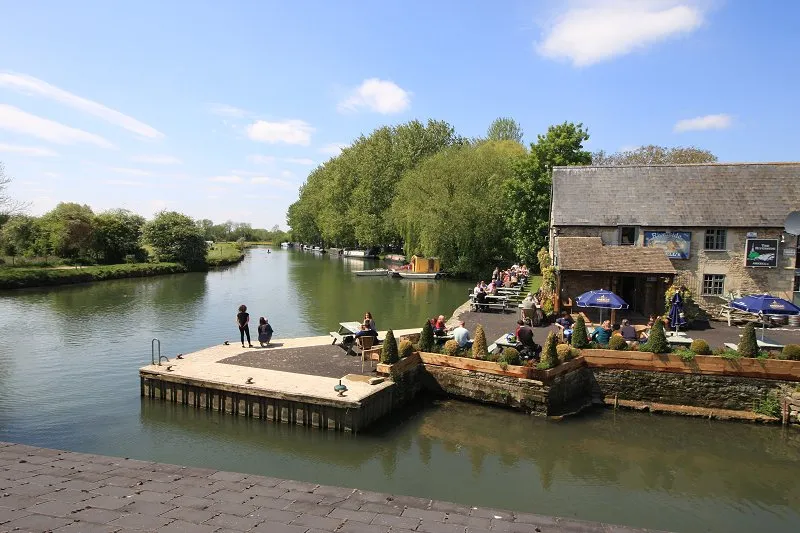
[[502, 305]]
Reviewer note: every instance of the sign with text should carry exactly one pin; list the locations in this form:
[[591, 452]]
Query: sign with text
[[676, 244], [761, 253]]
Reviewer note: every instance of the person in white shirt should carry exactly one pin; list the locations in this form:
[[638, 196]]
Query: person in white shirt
[[461, 335]]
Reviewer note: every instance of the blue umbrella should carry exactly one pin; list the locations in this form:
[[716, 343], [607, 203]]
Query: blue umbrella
[[602, 299], [676, 317], [765, 304]]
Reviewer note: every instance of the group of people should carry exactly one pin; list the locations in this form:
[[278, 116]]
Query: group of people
[[602, 334], [264, 328]]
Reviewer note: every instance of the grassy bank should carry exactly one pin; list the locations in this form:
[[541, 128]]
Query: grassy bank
[[224, 253], [20, 277]]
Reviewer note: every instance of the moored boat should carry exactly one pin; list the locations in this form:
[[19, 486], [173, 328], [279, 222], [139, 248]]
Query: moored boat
[[286, 245], [365, 254], [372, 272], [395, 258], [418, 275]]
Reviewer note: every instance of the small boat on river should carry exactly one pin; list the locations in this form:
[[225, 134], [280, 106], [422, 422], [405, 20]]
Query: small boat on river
[[418, 275], [364, 254], [372, 272]]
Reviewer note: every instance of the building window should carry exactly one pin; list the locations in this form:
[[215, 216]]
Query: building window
[[713, 284], [716, 239], [627, 235]]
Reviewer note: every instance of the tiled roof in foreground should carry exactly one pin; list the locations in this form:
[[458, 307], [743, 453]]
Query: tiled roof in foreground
[[588, 254]]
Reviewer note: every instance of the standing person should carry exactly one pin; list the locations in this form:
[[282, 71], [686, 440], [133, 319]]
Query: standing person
[[264, 332], [243, 321], [369, 321]]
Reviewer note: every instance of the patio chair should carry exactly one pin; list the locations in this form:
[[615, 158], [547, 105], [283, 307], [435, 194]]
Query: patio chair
[[366, 343]]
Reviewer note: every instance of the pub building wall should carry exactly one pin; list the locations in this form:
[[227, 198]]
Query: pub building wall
[[729, 262]]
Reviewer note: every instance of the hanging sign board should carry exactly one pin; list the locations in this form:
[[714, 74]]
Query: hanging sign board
[[676, 244], [761, 253]]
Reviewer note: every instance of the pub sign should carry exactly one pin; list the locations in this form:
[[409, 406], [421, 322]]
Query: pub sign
[[676, 244], [761, 253]]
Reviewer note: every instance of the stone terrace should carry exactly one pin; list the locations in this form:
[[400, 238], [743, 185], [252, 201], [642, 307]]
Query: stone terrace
[[51, 490]]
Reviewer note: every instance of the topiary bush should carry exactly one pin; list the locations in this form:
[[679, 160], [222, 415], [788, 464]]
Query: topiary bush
[[549, 353], [580, 338], [700, 347], [479, 348], [748, 346], [616, 342], [405, 348], [657, 342], [389, 353], [566, 352], [450, 347], [791, 352], [510, 356], [426, 337]]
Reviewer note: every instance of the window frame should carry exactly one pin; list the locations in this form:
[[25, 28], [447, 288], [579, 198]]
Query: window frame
[[619, 235], [717, 232], [709, 282]]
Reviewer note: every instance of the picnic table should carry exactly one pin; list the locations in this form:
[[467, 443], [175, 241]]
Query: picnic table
[[503, 341], [766, 344], [443, 338], [678, 337]]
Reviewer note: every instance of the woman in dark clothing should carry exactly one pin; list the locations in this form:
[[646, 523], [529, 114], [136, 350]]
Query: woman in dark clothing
[[264, 332], [243, 321]]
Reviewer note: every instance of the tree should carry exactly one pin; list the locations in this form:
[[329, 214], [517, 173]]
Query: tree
[[116, 235], [504, 129], [176, 238], [8, 206], [19, 235], [479, 348], [580, 337], [528, 194], [69, 228], [389, 353], [654, 155], [748, 346]]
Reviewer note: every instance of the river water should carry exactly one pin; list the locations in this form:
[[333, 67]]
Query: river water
[[68, 379]]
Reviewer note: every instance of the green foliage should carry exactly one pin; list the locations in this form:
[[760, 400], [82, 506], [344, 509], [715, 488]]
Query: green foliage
[[479, 347], [566, 352], [730, 355], [505, 129], [616, 342], [117, 233], [748, 346], [510, 356], [580, 337], [700, 347], [791, 352], [175, 238], [654, 155], [225, 253], [68, 231], [18, 236], [691, 310], [18, 278], [685, 355], [549, 353], [389, 352], [528, 194], [405, 348], [657, 342], [426, 342], [769, 406], [451, 347]]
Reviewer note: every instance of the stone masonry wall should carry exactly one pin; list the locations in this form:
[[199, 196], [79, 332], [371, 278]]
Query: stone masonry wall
[[793, 400], [716, 392]]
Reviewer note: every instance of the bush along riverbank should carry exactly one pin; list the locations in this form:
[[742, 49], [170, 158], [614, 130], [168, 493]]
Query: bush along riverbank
[[20, 277], [225, 253]]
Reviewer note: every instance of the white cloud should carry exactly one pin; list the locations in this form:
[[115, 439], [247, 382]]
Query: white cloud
[[31, 85], [124, 183], [225, 110], [333, 148], [272, 181], [130, 171], [157, 159], [286, 174], [602, 30], [18, 121], [707, 122], [226, 179], [284, 131], [261, 159], [376, 95], [300, 161], [32, 151], [51, 174]]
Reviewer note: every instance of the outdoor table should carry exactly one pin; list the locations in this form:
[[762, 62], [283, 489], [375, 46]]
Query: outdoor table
[[443, 338], [502, 342], [678, 338], [345, 335], [768, 344]]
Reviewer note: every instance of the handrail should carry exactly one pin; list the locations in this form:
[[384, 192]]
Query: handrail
[[153, 344]]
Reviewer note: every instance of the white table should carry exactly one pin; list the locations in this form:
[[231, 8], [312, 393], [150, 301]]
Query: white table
[[678, 338]]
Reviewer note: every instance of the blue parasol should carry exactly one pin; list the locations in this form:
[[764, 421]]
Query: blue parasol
[[764, 304], [602, 299], [676, 317]]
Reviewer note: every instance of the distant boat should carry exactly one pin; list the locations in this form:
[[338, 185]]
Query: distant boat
[[417, 275], [365, 254], [395, 258], [286, 245], [372, 272], [318, 249]]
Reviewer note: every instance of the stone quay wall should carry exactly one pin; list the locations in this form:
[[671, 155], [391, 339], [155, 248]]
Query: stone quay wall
[[792, 406]]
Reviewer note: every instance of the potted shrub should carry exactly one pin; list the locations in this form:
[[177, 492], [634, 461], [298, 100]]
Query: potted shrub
[[426, 337], [549, 353], [657, 343], [617, 343], [700, 347], [748, 346], [389, 353], [791, 352], [451, 348], [580, 338], [405, 348], [479, 347], [510, 356]]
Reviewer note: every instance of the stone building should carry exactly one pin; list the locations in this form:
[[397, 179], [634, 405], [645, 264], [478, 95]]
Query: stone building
[[635, 230]]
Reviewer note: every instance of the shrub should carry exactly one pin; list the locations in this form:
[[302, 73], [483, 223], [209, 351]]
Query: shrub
[[685, 355], [549, 353], [510, 356], [580, 338], [769, 406], [731, 355], [389, 354], [748, 346], [405, 348], [450, 347], [426, 338], [657, 343], [479, 349], [700, 347], [566, 352], [617, 343], [791, 351]]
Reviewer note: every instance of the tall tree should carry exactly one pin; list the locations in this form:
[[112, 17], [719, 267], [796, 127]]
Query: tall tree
[[8, 206], [116, 235], [18, 235], [505, 129], [528, 195], [654, 155], [69, 228], [176, 238]]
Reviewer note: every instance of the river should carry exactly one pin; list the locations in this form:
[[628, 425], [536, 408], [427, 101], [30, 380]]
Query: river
[[68, 379]]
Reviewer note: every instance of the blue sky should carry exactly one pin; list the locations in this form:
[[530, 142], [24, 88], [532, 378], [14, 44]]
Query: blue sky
[[220, 109]]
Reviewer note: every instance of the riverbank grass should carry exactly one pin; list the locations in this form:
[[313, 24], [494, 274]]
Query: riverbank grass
[[22, 277], [224, 253]]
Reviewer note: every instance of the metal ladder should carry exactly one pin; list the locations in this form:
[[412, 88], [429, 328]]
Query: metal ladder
[[153, 344]]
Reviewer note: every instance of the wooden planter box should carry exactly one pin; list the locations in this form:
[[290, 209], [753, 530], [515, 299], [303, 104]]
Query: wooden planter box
[[400, 367], [465, 363], [701, 364]]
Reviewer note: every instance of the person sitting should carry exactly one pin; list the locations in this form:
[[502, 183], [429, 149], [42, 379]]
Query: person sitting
[[461, 335], [520, 323], [525, 343], [627, 331], [366, 331], [602, 334], [646, 333], [480, 300], [565, 323], [439, 327], [492, 289]]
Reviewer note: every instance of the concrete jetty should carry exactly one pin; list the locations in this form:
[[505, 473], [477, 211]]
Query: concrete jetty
[[291, 382], [51, 490]]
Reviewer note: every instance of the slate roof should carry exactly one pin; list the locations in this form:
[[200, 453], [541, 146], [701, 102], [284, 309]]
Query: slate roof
[[724, 195], [588, 254]]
